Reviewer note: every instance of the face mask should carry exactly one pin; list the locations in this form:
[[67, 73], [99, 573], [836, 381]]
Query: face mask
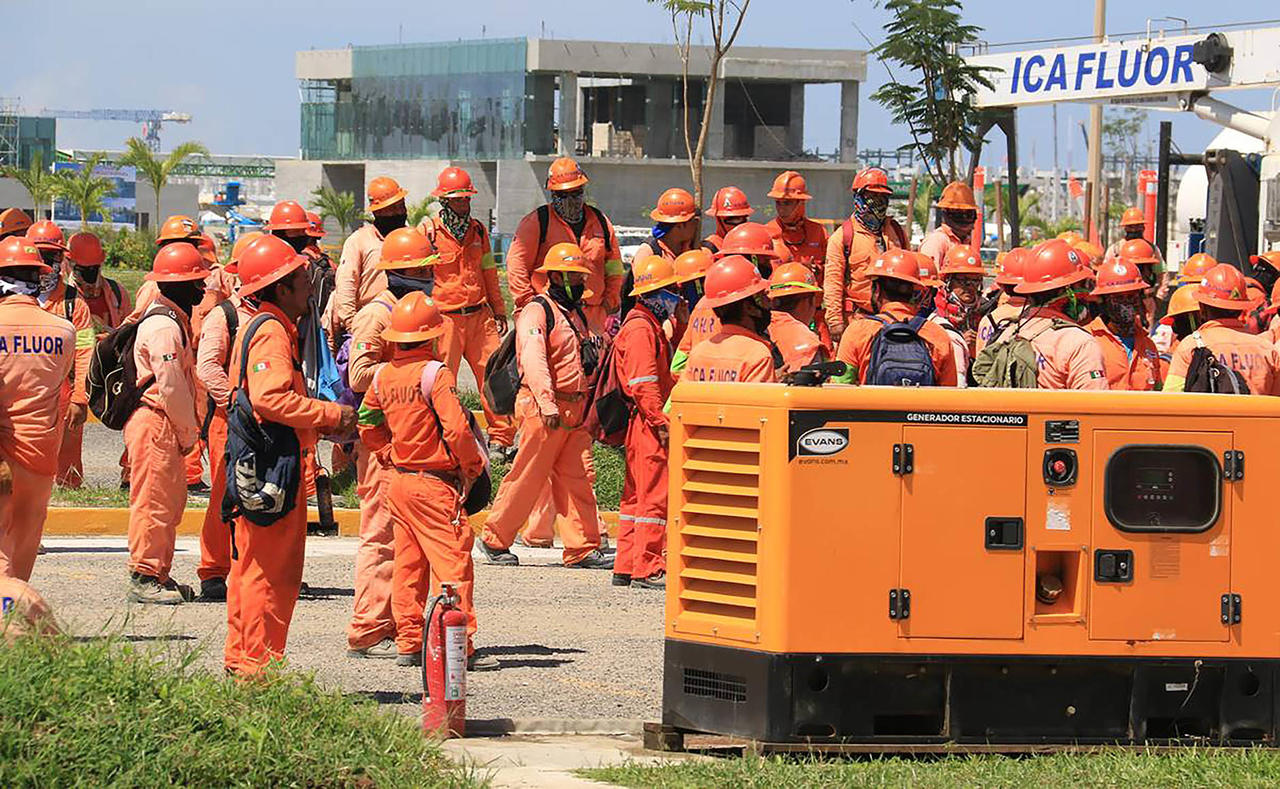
[[569, 205], [1133, 231], [457, 224], [401, 285], [662, 303], [1266, 277], [870, 210], [759, 317], [17, 287], [692, 292], [88, 274], [385, 223], [960, 224], [48, 281], [567, 293], [184, 295], [1185, 324], [298, 243], [1122, 314]]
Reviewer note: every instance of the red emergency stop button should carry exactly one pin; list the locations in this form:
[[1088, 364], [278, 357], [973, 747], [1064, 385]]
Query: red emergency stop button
[[1059, 468]]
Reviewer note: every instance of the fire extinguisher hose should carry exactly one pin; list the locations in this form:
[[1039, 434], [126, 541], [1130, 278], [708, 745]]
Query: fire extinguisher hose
[[426, 634]]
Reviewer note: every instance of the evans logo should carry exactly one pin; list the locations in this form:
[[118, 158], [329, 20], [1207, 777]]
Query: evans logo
[[823, 441]]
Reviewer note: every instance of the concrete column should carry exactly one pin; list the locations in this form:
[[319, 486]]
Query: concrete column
[[539, 115], [848, 121], [570, 120], [660, 117], [795, 128], [715, 130]]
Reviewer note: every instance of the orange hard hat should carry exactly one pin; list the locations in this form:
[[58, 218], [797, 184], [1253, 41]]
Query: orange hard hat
[[957, 196], [406, 248], [1119, 276], [789, 185], [748, 238], [1223, 286], [1196, 267], [564, 174], [1091, 251], [792, 279], [565, 256], [17, 251], [961, 259], [1055, 264], [653, 273], [178, 228], [730, 201], [25, 612], [178, 263], [928, 270], [1139, 252], [1183, 301], [14, 220], [872, 179], [85, 250], [315, 225], [208, 249], [1011, 266], [46, 235], [288, 215], [674, 206], [731, 279], [1270, 259], [266, 261], [1070, 236], [1132, 216], [384, 192], [693, 264], [1257, 295], [453, 182], [414, 318], [899, 264], [237, 249]]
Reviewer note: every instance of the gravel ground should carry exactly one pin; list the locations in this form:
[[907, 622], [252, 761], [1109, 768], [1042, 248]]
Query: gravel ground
[[571, 646]]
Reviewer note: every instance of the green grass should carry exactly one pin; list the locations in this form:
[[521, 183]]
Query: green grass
[[1192, 767], [90, 496], [109, 713], [129, 278]]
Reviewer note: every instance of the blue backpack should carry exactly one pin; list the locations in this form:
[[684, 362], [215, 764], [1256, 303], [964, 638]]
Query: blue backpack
[[263, 459], [899, 356]]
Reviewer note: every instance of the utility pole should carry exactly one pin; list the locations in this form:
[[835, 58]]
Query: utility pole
[[1095, 131], [1055, 183]]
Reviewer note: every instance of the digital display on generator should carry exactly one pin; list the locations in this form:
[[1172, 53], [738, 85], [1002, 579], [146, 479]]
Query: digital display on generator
[[1163, 488]]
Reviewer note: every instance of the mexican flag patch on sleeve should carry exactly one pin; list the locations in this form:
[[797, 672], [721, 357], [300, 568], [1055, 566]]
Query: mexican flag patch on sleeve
[[261, 366]]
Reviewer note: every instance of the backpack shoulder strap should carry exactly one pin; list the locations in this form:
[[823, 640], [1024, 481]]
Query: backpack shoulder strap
[[249, 331], [115, 288], [604, 227], [430, 371], [69, 301], [229, 312], [846, 237], [544, 219]]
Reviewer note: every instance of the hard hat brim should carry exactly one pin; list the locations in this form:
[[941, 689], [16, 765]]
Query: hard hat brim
[[793, 289], [1008, 279], [248, 289], [391, 335], [737, 295], [545, 269], [640, 290], [1111, 290], [401, 265], [671, 219], [288, 226], [952, 205], [190, 276], [1027, 288], [748, 211], [43, 267], [776, 195], [1226, 304], [378, 205], [771, 252], [900, 277], [454, 193], [51, 245], [884, 190], [580, 181], [960, 270]]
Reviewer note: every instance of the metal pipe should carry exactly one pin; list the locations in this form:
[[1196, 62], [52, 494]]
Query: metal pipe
[[1232, 117], [1162, 188]]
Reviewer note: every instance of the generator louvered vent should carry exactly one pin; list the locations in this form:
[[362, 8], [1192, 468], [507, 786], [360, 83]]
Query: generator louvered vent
[[714, 685]]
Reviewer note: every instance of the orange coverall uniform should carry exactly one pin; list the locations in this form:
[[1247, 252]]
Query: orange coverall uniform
[[703, 325], [157, 435], [267, 571], [642, 363], [855, 345], [1007, 310], [1251, 355], [846, 291], [429, 459], [553, 383], [939, 242], [733, 354], [1069, 357], [1139, 371], [797, 343], [601, 256], [357, 281], [213, 360], [806, 242], [469, 297], [70, 466], [37, 353], [371, 616]]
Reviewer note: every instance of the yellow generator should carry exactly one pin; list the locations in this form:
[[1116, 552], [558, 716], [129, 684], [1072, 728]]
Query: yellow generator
[[877, 565]]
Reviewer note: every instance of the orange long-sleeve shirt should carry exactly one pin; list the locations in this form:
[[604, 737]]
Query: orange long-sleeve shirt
[[642, 362], [1068, 357], [213, 352], [397, 425], [733, 354], [855, 345], [939, 242], [844, 279], [163, 349], [37, 353], [467, 274], [525, 255], [107, 310], [86, 336], [277, 390], [368, 351], [1139, 371], [806, 242], [357, 280], [549, 361]]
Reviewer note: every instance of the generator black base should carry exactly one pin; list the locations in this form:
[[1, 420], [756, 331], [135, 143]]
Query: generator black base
[[895, 699]]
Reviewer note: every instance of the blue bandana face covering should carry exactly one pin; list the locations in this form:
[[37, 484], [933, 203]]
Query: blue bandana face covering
[[870, 211], [401, 285], [663, 303]]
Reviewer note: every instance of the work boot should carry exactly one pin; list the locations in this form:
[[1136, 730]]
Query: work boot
[[501, 556], [188, 594], [198, 489], [386, 648], [213, 590], [482, 663], [593, 561], [605, 545], [147, 590], [656, 581], [621, 579], [409, 658], [520, 540]]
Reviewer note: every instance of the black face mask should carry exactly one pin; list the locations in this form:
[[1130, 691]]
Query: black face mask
[[402, 286], [692, 292], [567, 294], [298, 243], [388, 222], [759, 317], [88, 274], [1266, 277], [184, 295]]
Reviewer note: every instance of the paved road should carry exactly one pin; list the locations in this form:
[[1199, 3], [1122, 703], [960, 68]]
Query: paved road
[[571, 645]]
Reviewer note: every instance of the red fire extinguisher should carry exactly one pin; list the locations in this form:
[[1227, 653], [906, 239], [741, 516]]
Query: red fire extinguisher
[[444, 665]]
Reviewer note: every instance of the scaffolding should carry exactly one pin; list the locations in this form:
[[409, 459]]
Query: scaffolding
[[9, 131]]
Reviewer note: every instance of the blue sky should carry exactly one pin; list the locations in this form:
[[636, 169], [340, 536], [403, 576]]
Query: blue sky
[[230, 64]]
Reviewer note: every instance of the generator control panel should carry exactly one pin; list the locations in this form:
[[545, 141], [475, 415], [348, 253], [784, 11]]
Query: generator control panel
[[1163, 488]]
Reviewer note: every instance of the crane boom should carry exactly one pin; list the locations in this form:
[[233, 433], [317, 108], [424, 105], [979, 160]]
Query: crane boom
[[136, 116]]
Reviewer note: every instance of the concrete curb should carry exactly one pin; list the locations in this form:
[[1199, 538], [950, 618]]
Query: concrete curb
[[502, 727], [114, 521]]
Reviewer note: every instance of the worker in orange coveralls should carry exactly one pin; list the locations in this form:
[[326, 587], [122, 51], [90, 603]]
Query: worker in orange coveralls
[[730, 209], [642, 365], [869, 231], [36, 355], [13, 222], [1129, 356], [739, 351], [357, 279], [108, 300], [165, 426], [551, 406], [796, 299], [266, 572], [691, 270], [413, 421]]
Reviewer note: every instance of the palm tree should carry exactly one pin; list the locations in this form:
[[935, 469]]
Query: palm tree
[[39, 182], [85, 190], [153, 169], [418, 211], [341, 206]]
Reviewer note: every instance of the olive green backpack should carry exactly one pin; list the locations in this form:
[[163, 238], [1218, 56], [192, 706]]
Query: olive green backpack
[[1012, 362]]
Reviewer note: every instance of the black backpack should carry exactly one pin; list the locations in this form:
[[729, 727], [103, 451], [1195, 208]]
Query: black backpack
[[113, 386], [899, 355], [263, 460], [502, 374], [1206, 374]]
